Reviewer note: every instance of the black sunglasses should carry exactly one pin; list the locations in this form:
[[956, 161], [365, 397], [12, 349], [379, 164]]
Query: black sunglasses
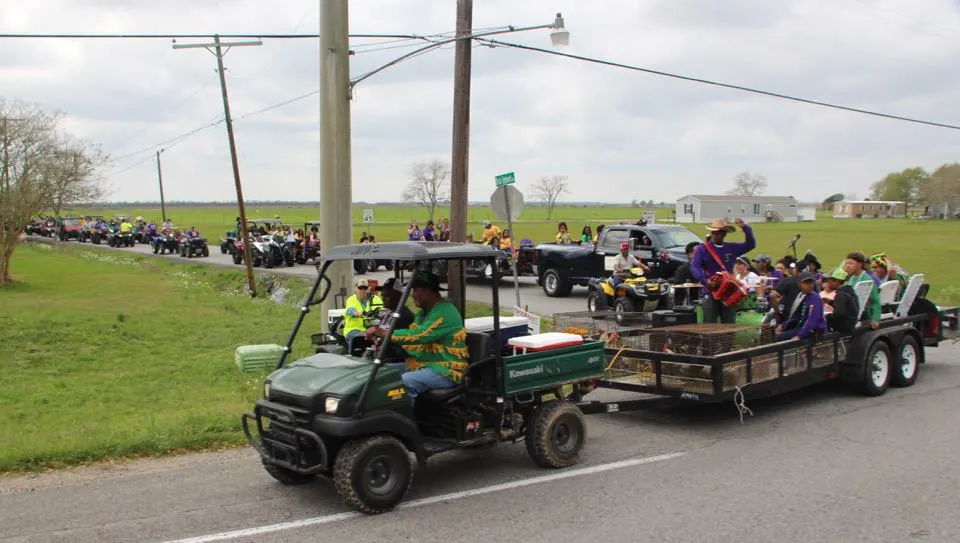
[[362, 287]]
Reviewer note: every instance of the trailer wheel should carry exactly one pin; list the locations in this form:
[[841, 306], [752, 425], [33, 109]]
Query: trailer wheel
[[907, 364], [556, 433], [373, 474], [877, 368], [285, 475]]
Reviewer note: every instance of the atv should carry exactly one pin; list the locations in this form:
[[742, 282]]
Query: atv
[[273, 251], [348, 418], [636, 294], [120, 239], [191, 247], [165, 242], [70, 228]]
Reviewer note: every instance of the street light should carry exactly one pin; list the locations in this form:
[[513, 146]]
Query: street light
[[559, 36]]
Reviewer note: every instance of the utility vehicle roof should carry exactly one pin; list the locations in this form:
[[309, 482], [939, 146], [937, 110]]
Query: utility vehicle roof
[[412, 250]]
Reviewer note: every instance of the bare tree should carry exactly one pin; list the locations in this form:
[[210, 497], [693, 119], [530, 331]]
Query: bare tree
[[429, 184], [549, 189], [27, 146], [748, 184], [76, 178]]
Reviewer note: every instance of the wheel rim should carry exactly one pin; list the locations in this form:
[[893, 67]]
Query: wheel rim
[[565, 436], [592, 303], [550, 282], [380, 475], [908, 361], [880, 367]]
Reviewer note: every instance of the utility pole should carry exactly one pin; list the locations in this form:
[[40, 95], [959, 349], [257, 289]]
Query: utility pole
[[460, 160], [217, 49], [163, 204], [336, 196]]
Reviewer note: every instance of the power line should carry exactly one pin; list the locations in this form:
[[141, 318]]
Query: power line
[[192, 36], [719, 84]]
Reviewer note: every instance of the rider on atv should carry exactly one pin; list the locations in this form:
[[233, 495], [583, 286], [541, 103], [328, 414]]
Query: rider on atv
[[623, 263]]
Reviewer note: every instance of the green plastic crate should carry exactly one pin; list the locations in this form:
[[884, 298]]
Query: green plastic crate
[[257, 357]]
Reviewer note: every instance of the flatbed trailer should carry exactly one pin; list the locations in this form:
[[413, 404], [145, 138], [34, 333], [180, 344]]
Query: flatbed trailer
[[652, 361]]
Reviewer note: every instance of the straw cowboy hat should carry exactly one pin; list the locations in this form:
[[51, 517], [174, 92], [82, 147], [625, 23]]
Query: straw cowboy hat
[[721, 224]]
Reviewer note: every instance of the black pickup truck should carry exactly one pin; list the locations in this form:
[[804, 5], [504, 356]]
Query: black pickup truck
[[661, 247]]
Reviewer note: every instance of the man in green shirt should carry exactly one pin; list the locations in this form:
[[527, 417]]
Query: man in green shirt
[[855, 265], [436, 342]]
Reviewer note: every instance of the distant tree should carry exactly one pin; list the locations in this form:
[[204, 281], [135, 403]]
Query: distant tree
[[75, 175], [634, 203], [941, 187], [30, 148], [549, 189], [748, 184], [901, 186], [429, 185]]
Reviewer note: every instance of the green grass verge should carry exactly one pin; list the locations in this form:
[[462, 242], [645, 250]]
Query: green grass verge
[[108, 355]]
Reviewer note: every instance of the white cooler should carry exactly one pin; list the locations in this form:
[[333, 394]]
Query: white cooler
[[544, 342]]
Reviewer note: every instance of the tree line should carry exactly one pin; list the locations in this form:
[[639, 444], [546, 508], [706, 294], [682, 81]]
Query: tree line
[[917, 187], [41, 168]]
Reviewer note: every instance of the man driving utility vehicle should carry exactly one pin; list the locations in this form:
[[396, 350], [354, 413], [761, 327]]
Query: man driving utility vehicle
[[436, 341]]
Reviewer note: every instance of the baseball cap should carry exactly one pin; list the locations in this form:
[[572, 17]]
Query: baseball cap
[[744, 259], [807, 276], [839, 274], [762, 258], [362, 283], [624, 245], [427, 280]]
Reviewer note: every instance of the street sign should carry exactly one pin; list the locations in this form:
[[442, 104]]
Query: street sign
[[506, 179], [499, 205], [368, 216]]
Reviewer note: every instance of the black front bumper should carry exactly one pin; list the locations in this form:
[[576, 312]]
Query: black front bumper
[[287, 441]]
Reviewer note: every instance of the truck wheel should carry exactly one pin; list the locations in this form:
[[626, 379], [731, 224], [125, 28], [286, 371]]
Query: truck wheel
[[286, 476], [556, 434], [554, 285], [877, 368], [908, 363], [372, 474]]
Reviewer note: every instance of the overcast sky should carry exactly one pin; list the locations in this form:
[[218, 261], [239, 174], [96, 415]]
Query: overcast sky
[[617, 134]]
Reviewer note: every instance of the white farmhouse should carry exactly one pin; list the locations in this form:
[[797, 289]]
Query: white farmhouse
[[705, 208]]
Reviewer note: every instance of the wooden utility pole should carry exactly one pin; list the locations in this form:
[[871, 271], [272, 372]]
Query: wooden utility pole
[[217, 49], [163, 204], [460, 160]]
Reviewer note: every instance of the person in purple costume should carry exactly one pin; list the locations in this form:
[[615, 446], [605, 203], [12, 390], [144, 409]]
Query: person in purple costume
[[704, 266]]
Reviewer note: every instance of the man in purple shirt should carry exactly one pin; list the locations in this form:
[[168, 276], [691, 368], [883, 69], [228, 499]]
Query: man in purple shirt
[[704, 266]]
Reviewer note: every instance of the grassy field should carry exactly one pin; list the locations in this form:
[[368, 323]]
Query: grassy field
[[109, 355]]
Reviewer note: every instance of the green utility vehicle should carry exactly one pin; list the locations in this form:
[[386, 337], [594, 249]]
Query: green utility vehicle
[[348, 418]]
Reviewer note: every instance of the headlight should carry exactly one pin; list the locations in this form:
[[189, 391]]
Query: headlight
[[266, 390], [330, 405]]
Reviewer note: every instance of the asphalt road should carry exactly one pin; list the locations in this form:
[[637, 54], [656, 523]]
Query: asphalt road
[[478, 290], [816, 465]]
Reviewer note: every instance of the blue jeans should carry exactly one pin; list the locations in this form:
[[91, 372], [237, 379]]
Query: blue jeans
[[352, 334], [423, 380]]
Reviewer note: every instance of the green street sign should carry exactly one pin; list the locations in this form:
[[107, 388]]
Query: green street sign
[[506, 179]]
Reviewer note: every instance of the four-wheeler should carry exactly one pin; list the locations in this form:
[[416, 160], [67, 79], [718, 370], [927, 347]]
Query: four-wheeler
[[116, 238], [70, 228], [636, 294], [191, 247], [165, 243], [660, 247], [272, 251], [349, 418]]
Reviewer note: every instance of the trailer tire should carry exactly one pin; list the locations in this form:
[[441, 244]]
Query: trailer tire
[[554, 285], [373, 474], [877, 367], [285, 475], [556, 433], [908, 360]]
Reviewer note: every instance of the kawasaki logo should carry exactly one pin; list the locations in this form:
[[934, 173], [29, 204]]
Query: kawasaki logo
[[593, 360], [523, 373]]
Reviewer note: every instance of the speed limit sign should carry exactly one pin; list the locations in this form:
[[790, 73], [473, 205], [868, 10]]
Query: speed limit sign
[[368, 215]]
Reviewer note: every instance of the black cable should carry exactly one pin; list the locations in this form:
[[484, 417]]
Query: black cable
[[719, 84], [197, 36]]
